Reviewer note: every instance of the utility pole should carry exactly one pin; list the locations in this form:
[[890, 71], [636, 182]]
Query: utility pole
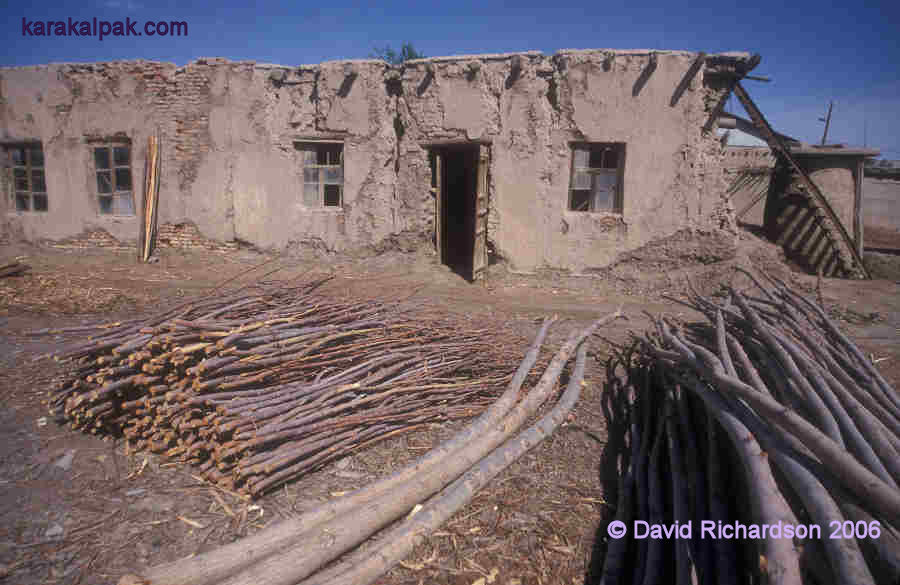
[[827, 120]]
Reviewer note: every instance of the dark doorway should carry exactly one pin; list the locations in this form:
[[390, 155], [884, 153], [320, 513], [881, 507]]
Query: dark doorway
[[455, 179]]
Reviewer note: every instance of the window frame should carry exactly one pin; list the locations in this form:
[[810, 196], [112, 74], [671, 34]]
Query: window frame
[[111, 145], [324, 149], [29, 168], [617, 203]]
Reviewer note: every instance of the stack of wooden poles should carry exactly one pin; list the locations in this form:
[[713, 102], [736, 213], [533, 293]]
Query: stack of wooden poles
[[767, 421], [261, 386]]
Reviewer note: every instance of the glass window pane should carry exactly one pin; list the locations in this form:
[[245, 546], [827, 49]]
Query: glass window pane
[[18, 156], [311, 176], [123, 204], [23, 202], [581, 180], [332, 196], [40, 201], [581, 201], [311, 195], [309, 156], [334, 176], [37, 181], [104, 182], [604, 191], [580, 157], [122, 156], [101, 158], [37, 156], [123, 179], [321, 156], [105, 203]]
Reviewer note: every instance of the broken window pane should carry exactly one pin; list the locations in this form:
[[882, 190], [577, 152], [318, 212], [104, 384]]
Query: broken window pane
[[105, 203], [611, 158], [40, 201], [332, 196], [596, 174], [581, 200], [121, 156], [123, 204], [311, 195], [311, 175], [333, 154], [334, 176], [37, 181], [323, 173], [37, 156], [104, 182], [123, 179], [101, 158], [22, 202]]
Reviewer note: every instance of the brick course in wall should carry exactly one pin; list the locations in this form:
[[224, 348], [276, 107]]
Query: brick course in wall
[[187, 236], [93, 238], [184, 236]]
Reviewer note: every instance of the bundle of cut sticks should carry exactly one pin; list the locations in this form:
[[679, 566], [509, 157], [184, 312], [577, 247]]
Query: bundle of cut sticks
[[261, 386]]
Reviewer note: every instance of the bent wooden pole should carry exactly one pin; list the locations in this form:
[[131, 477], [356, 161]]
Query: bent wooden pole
[[327, 542], [366, 566]]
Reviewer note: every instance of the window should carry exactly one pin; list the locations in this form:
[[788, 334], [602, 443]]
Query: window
[[323, 173], [29, 185], [597, 171], [113, 165]]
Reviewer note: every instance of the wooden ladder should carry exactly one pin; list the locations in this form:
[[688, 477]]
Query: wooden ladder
[[849, 262]]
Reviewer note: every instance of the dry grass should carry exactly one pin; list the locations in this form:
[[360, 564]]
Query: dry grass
[[64, 294]]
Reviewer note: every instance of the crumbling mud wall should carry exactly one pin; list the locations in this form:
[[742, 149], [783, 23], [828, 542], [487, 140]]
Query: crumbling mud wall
[[530, 108], [231, 166], [68, 108], [228, 133]]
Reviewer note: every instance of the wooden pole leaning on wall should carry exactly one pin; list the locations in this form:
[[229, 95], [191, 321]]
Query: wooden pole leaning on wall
[[145, 194], [155, 211], [151, 198]]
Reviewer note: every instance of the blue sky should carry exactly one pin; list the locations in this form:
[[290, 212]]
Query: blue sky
[[814, 52]]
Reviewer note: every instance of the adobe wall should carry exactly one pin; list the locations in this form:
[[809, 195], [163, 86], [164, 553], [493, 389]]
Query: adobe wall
[[227, 131], [835, 177], [673, 172], [881, 203], [230, 167]]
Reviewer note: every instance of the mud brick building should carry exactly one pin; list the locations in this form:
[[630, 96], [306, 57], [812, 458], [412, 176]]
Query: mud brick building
[[562, 161]]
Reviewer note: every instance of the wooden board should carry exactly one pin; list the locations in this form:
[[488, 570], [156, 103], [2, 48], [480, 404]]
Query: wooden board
[[479, 250]]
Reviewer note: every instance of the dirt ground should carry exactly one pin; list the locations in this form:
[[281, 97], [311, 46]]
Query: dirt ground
[[76, 509]]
